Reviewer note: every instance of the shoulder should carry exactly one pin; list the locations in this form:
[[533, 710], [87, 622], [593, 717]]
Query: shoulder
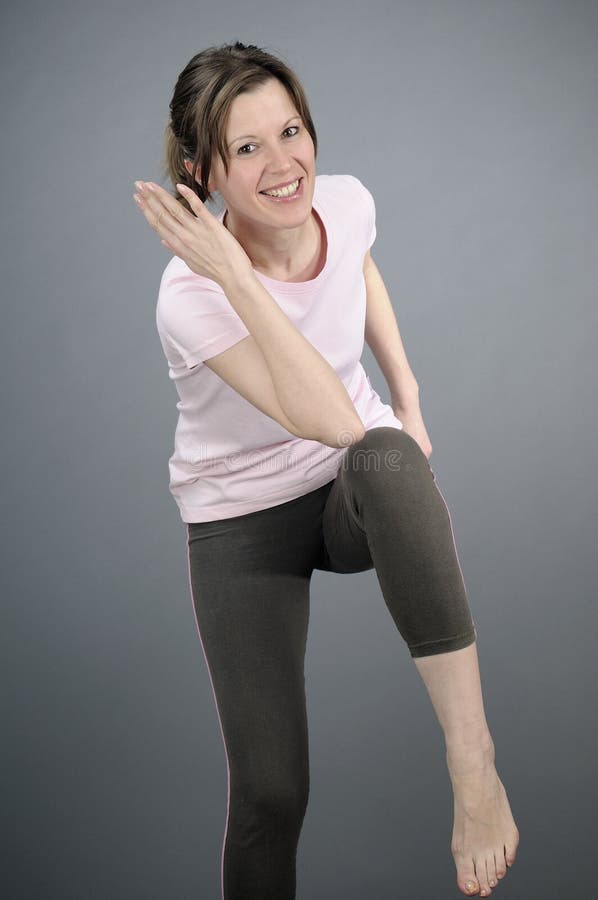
[[344, 189], [183, 295], [352, 206], [178, 279]]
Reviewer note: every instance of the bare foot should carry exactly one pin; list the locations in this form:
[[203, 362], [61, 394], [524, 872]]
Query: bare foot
[[485, 837]]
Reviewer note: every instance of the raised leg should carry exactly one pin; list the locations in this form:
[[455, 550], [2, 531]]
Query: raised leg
[[386, 505]]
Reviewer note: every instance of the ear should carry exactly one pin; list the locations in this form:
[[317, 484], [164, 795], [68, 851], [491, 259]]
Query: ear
[[189, 167]]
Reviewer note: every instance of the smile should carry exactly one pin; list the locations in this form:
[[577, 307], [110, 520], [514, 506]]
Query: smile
[[286, 194]]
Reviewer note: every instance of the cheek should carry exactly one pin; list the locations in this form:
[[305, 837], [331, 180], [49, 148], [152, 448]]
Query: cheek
[[242, 187], [248, 181], [307, 156], [307, 144]]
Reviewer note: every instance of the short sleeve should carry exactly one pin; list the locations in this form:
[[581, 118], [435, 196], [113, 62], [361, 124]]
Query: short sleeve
[[195, 317], [368, 210], [370, 207]]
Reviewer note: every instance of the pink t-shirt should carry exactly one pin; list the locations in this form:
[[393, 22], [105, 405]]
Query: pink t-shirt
[[230, 458]]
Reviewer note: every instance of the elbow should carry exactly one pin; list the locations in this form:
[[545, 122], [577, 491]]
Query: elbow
[[345, 435]]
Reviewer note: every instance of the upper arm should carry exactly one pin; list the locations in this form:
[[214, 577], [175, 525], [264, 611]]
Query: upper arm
[[244, 368]]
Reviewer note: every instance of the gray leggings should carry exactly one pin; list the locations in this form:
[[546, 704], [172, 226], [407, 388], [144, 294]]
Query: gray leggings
[[250, 578]]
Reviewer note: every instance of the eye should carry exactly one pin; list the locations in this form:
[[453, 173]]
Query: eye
[[294, 128]]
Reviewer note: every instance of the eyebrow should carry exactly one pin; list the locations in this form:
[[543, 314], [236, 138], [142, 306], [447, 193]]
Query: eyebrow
[[243, 136]]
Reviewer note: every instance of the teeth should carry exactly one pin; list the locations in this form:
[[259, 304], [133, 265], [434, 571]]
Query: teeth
[[284, 192]]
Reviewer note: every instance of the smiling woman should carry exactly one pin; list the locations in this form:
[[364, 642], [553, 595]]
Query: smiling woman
[[286, 459]]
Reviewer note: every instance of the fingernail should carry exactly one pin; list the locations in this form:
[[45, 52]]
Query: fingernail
[[151, 186], [137, 200], [139, 185]]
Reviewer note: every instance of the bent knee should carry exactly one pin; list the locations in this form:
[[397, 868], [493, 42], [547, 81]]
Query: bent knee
[[385, 449]]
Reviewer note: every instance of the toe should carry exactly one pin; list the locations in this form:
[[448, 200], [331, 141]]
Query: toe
[[500, 865], [466, 878], [482, 875], [491, 869], [511, 850]]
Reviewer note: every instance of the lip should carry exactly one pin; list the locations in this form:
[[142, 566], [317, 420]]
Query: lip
[[275, 187]]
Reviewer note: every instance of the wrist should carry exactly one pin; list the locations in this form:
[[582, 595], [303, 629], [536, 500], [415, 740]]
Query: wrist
[[237, 278], [406, 396]]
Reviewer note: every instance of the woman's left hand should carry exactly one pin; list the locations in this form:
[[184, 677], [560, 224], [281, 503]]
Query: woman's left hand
[[413, 423]]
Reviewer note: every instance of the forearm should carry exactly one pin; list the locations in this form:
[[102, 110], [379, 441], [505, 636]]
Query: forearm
[[384, 339], [308, 389]]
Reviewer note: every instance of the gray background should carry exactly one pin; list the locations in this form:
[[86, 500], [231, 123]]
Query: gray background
[[474, 124]]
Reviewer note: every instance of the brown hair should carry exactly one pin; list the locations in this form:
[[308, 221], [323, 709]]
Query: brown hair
[[201, 103]]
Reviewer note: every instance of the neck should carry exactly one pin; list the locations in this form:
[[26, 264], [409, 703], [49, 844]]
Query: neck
[[281, 253]]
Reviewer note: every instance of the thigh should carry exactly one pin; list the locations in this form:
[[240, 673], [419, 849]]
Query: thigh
[[250, 578], [345, 547]]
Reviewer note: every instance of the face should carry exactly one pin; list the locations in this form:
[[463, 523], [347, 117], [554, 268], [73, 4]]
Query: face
[[267, 145]]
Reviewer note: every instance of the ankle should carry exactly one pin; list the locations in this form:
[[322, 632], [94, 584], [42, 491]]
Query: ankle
[[475, 750], [469, 736]]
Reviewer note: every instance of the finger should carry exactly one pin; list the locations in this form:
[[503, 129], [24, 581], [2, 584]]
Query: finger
[[178, 246], [151, 209], [192, 199], [175, 247], [165, 214], [176, 208]]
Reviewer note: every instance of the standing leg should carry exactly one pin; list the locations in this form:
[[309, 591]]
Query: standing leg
[[385, 500], [250, 590]]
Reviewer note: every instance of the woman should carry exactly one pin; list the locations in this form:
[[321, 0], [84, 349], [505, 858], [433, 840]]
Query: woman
[[286, 460]]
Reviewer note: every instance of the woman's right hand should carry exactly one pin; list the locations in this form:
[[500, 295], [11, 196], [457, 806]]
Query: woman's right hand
[[200, 240]]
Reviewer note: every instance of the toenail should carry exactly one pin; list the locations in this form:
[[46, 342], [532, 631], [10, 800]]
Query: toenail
[[470, 886], [492, 882]]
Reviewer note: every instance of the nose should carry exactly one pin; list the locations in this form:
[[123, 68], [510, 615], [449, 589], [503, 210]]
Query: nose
[[279, 160]]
